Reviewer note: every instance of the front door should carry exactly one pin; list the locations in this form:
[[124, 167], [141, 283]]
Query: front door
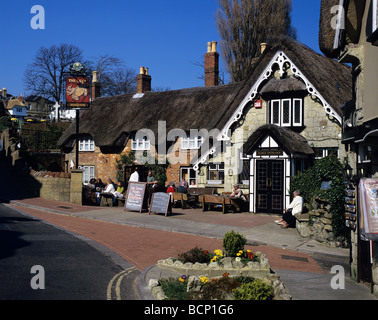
[[269, 186]]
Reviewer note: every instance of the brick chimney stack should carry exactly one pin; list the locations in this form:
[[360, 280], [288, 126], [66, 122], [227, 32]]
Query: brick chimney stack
[[143, 81], [96, 87], [211, 65]]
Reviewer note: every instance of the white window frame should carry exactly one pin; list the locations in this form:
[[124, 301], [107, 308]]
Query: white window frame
[[86, 145], [292, 122], [141, 144], [185, 171], [326, 152], [375, 16], [282, 113], [189, 143], [300, 123], [217, 168], [272, 113], [88, 173]]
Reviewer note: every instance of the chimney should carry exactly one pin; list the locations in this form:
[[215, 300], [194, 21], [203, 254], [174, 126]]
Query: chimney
[[211, 65], [95, 90], [4, 92], [143, 81]]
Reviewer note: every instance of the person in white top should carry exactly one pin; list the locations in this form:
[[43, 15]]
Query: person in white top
[[134, 176], [294, 208]]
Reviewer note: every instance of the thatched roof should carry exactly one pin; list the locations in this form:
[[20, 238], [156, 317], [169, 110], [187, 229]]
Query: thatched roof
[[111, 120], [292, 142], [326, 32], [290, 84]]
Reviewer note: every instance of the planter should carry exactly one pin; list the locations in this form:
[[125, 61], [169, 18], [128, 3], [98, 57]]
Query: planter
[[217, 269]]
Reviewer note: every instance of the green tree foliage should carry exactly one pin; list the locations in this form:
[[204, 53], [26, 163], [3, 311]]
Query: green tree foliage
[[310, 181]]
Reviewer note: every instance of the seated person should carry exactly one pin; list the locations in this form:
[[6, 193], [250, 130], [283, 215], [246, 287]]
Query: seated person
[[182, 188], [294, 208], [193, 185], [171, 188], [238, 197], [118, 194], [110, 187]]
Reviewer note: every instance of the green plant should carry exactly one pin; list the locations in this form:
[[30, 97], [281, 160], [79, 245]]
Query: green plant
[[195, 255], [233, 242], [256, 290], [174, 289], [309, 183]]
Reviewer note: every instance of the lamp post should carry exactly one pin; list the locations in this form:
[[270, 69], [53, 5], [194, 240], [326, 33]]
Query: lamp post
[[78, 72]]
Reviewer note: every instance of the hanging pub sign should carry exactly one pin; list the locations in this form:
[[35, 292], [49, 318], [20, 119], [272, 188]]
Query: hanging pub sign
[[77, 92]]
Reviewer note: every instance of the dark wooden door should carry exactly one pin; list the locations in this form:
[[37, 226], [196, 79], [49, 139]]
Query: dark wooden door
[[269, 186]]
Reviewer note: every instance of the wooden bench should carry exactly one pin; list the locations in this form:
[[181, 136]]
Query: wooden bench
[[209, 200], [106, 200], [182, 198]]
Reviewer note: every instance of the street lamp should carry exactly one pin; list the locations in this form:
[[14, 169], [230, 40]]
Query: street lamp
[[348, 172]]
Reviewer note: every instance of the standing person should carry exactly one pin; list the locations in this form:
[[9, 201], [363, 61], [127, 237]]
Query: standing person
[[150, 178], [294, 208], [135, 176]]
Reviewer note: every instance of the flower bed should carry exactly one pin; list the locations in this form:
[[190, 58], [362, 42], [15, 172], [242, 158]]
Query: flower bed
[[216, 275], [258, 266]]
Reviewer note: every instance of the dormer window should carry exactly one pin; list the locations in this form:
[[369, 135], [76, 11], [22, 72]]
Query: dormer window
[[141, 144], [190, 143], [86, 144], [286, 112]]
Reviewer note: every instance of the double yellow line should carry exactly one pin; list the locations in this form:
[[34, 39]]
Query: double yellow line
[[117, 279]]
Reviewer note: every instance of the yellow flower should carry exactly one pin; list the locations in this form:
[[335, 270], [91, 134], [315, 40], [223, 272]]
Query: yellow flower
[[204, 279], [218, 252], [238, 254]]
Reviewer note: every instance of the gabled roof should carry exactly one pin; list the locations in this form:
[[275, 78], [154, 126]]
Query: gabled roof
[[15, 102], [291, 142], [111, 120], [35, 98]]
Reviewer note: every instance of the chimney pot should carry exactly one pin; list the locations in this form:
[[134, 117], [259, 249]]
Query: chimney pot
[[214, 46], [263, 47], [95, 76], [209, 47]]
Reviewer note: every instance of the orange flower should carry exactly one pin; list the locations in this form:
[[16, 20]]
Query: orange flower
[[226, 274]]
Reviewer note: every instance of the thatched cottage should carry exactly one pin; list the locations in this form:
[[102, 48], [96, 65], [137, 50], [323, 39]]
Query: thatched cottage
[[257, 132]]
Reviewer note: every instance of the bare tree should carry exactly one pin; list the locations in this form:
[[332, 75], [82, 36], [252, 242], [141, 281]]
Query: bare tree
[[45, 75], [244, 24], [115, 77]]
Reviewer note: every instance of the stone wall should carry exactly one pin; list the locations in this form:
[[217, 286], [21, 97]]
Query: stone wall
[[317, 224], [53, 185]]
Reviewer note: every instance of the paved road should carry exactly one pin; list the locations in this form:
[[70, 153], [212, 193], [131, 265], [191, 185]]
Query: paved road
[[67, 266]]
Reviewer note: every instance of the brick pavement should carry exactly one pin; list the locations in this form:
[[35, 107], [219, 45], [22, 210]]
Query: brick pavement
[[144, 247]]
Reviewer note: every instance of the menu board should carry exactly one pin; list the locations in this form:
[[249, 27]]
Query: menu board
[[160, 203], [368, 195], [135, 196]]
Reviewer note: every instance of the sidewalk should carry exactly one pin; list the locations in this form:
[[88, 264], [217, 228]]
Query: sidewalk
[[298, 261]]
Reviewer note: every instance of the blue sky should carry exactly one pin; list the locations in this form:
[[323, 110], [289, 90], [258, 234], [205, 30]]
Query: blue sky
[[166, 36]]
